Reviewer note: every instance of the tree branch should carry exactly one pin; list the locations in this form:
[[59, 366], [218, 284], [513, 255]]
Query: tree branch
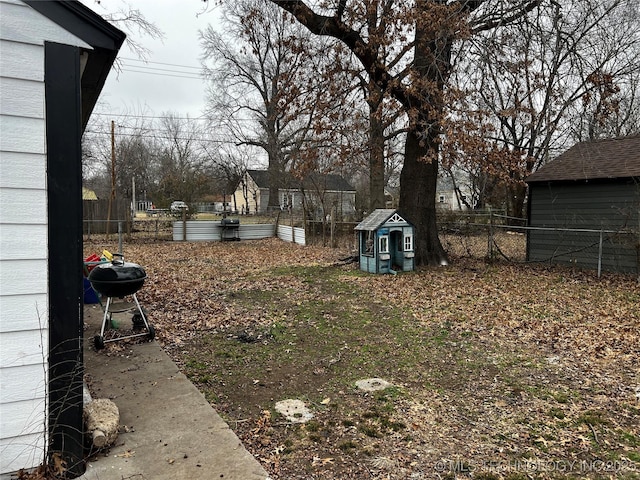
[[505, 18]]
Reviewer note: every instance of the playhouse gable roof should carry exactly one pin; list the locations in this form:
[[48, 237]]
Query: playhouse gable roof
[[379, 217]]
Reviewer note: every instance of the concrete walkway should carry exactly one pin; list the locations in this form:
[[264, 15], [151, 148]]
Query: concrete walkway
[[170, 430]]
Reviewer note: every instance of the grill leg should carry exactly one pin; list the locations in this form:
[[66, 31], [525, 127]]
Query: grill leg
[[144, 319], [106, 315], [99, 340]]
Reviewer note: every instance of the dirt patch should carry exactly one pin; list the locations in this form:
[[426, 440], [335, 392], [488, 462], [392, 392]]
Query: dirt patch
[[498, 371]]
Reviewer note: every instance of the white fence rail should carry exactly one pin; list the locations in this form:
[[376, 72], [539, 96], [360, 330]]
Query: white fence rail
[[292, 234]]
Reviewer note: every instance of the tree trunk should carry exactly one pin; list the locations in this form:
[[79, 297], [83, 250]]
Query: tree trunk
[[376, 164], [418, 201], [275, 180], [418, 179], [376, 148], [516, 201]]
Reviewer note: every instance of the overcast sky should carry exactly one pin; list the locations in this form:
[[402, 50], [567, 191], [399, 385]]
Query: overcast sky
[[170, 80]]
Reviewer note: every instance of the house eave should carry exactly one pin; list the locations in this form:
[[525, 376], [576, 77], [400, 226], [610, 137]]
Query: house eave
[[538, 181], [104, 38]]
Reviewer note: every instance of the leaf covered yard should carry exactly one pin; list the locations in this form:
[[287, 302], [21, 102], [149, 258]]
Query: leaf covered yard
[[496, 370]]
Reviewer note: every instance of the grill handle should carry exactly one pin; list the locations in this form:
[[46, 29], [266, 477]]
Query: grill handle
[[116, 261]]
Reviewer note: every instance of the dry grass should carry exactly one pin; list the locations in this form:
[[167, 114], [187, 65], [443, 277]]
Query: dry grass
[[500, 370]]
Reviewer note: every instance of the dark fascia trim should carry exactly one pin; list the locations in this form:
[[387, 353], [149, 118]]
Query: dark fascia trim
[[584, 181], [90, 27], [64, 191]]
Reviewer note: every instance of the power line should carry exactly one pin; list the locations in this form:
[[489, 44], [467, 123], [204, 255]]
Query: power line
[[160, 69], [143, 129], [162, 137], [159, 117], [171, 70], [162, 74], [144, 67], [163, 117], [159, 63]]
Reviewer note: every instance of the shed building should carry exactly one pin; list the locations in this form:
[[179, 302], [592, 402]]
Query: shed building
[[385, 242], [54, 60], [593, 187]]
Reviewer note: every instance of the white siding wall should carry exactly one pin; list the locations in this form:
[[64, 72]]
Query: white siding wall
[[23, 233]]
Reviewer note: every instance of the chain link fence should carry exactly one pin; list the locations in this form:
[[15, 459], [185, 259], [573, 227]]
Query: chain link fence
[[492, 235], [489, 235]]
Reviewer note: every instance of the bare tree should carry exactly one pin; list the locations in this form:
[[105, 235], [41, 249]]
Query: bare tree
[[182, 160], [254, 93], [408, 56], [528, 85], [226, 167], [611, 110], [134, 24], [134, 147]]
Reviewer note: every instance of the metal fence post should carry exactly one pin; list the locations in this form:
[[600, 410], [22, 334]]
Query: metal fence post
[[184, 225], [600, 254], [120, 236], [293, 232], [490, 239]]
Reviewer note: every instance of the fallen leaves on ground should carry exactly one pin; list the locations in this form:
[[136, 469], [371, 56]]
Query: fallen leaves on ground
[[534, 369]]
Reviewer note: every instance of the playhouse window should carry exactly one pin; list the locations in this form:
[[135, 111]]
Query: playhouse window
[[367, 246], [408, 243], [384, 244]]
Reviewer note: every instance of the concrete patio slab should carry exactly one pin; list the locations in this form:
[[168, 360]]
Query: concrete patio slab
[[169, 430]]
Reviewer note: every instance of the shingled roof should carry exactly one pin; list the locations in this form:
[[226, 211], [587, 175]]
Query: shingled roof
[[375, 219], [601, 159], [329, 182]]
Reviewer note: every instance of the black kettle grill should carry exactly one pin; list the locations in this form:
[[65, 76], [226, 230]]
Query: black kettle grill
[[118, 279]]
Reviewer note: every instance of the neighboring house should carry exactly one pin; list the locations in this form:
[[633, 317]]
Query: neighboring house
[[311, 194], [592, 186], [391, 196], [88, 194], [54, 60], [452, 196]]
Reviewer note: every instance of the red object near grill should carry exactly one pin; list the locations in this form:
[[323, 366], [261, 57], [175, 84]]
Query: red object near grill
[[91, 261]]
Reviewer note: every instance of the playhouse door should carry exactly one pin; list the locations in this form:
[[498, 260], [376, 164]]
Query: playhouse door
[[395, 249]]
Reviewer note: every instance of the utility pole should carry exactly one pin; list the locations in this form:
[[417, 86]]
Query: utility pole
[[112, 196]]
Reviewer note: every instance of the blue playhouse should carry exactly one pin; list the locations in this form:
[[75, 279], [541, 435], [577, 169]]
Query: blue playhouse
[[385, 242]]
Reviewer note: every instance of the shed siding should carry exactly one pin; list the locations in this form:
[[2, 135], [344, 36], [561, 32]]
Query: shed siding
[[23, 243], [597, 206]]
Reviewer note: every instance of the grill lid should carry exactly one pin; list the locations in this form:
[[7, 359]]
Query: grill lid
[[118, 278]]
